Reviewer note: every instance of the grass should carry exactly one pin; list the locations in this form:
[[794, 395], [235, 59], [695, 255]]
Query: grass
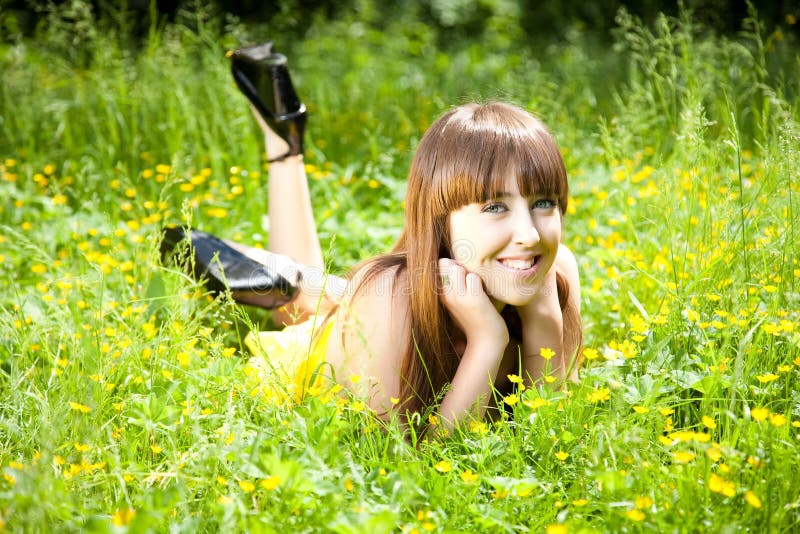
[[126, 401]]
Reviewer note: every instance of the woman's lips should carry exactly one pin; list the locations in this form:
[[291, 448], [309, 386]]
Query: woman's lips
[[520, 266]]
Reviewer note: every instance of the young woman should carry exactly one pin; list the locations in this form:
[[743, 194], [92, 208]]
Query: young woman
[[478, 287]]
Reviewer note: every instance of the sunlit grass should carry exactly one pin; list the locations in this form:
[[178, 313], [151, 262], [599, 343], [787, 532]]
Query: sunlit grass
[[127, 400]]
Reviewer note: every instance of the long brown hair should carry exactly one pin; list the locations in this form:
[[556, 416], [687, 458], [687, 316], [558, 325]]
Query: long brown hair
[[464, 157]]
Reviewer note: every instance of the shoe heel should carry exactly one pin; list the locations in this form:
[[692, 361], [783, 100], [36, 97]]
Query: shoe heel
[[263, 77]]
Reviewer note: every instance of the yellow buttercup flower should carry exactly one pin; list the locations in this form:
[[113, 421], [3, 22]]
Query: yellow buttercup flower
[[599, 395], [468, 476], [79, 407], [683, 457], [270, 483], [767, 378], [443, 466], [752, 499], [635, 515], [590, 353], [777, 419], [122, 517], [717, 484]]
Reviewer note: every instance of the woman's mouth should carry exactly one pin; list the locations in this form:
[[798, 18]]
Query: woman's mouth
[[520, 265]]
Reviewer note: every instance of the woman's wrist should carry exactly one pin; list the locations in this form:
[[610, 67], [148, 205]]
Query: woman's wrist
[[487, 343]]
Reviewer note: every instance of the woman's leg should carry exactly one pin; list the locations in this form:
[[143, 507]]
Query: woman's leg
[[293, 233]]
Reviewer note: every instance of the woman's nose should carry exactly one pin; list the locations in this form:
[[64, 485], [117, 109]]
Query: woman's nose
[[525, 232]]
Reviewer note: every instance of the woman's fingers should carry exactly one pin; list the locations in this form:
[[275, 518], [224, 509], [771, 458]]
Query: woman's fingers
[[473, 284], [468, 304], [452, 277], [457, 281]]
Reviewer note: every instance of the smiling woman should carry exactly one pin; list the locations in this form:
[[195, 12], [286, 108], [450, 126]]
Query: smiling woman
[[487, 191]]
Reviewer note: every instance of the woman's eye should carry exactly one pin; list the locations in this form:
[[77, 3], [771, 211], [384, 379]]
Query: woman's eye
[[494, 207], [544, 204]]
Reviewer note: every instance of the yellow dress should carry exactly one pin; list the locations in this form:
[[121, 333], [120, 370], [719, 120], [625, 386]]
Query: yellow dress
[[289, 364]]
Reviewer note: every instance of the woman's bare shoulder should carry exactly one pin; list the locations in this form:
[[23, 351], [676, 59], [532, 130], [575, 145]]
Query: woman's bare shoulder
[[567, 264]]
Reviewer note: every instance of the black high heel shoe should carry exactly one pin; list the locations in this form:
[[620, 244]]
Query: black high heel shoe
[[261, 74], [223, 267]]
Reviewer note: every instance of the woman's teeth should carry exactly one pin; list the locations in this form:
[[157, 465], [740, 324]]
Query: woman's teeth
[[519, 265]]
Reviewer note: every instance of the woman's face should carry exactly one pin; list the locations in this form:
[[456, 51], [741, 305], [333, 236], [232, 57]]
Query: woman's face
[[510, 241]]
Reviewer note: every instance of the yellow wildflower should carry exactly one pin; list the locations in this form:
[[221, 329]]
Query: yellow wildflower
[[536, 403], [752, 499], [270, 483], [777, 419], [767, 378], [635, 515], [599, 395], [443, 466], [468, 476], [79, 407], [122, 517], [683, 457], [717, 484], [479, 427], [590, 353], [759, 414], [247, 486], [714, 453]]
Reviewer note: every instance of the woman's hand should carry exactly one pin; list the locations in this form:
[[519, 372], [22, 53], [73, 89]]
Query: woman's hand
[[545, 301], [470, 307]]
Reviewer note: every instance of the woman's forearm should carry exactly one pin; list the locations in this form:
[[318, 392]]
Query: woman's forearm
[[471, 387]]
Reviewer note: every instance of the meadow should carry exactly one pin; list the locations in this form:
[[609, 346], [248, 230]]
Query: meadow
[[126, 403]]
